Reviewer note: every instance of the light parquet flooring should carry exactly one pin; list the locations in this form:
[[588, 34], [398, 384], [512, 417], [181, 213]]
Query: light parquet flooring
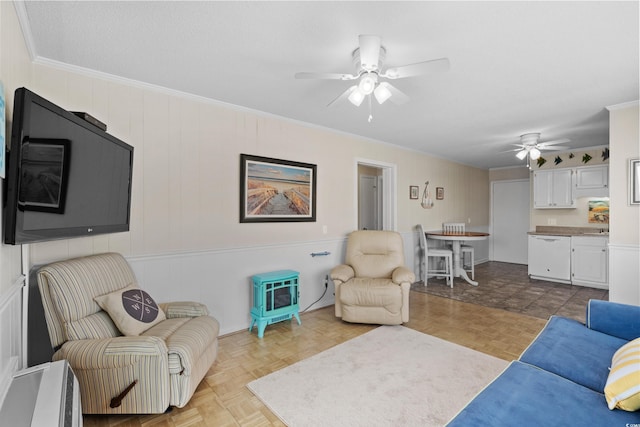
[[223, 400]]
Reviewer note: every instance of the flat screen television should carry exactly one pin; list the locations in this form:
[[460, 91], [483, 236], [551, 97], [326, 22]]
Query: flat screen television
[[65, 176]]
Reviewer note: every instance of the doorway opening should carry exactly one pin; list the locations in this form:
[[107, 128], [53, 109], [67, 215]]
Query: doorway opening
[[376, 195]]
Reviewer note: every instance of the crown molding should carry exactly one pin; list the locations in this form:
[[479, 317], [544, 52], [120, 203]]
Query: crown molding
[[623, 105]]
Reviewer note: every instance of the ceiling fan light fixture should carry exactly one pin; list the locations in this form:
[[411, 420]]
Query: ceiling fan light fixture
[[521, 154], [534, 153], [382, 93], [356, 97], [368, 83]]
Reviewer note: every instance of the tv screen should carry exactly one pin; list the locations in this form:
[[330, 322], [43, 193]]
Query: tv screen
[[65, 176]]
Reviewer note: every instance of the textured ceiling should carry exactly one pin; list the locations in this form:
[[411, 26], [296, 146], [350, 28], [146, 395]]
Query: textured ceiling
[[516, 67]]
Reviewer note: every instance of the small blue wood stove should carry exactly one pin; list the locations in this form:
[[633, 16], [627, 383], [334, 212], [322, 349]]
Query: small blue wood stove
[[275, 298]]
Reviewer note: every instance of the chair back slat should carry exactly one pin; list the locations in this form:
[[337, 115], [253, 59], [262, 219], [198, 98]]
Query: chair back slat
[[453, 227]]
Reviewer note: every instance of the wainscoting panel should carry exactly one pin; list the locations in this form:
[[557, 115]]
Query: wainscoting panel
[[624, 274], [221, 279], [10, 334]]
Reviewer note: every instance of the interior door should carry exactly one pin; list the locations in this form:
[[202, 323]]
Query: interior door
[[510, 221], [368, 203]]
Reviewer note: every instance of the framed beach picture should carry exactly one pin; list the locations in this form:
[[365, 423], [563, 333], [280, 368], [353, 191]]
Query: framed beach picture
[[274, 190], [598, 211]]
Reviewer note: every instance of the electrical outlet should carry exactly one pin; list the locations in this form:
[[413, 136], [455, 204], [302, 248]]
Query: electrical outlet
[[551, 221], [324, 229]]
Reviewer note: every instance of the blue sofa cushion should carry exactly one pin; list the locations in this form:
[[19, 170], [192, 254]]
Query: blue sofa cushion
[[567, 348], [526, 395], [613, 318]]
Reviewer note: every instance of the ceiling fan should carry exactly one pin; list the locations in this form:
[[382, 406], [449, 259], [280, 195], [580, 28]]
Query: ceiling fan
[[368, 60], [530, 144]]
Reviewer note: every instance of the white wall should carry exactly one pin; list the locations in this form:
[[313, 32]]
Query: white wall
[[186, 240], [624, 237]]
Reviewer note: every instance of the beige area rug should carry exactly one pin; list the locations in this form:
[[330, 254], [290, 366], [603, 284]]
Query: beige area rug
[[390, 376]]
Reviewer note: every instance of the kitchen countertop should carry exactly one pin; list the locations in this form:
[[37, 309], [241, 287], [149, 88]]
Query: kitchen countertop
[[549, 230]]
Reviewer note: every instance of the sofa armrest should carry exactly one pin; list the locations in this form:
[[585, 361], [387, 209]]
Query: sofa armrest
[[615, 319], [403, 275], [184, 309], [342, 273]]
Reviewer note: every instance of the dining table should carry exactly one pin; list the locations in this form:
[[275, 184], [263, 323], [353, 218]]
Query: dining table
[[456, 240]]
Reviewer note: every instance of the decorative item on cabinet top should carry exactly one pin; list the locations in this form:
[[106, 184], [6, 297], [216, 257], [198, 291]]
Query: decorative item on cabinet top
[[574, 158]]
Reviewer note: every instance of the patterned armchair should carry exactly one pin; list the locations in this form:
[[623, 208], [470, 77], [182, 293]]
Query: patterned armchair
[[372, 286], [166, 352]]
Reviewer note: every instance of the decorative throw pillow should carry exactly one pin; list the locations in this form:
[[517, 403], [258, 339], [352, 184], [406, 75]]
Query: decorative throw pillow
[[622, 389], [131, 309]]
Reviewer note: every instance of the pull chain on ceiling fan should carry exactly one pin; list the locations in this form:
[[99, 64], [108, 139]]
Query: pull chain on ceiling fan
[[368, 60]]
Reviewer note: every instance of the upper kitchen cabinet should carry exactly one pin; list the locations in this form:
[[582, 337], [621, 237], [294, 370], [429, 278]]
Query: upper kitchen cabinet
[[592, 181], [553, 189]]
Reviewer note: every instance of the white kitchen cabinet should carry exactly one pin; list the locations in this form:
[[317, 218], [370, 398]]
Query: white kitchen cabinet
[[589, 261], [592, 181], [553, 189], [550, 258]]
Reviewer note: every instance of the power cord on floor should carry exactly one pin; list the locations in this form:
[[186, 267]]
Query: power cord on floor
[[326, 286]]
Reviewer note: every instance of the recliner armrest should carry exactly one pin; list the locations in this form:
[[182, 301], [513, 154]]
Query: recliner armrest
[[110, 353], [403, 275], [615, 319], [342, 273], [184, 309]]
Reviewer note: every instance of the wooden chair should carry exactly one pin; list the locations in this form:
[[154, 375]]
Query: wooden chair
[[459, 228], [445, 255]]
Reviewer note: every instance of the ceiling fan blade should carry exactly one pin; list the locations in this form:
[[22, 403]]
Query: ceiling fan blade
[[555, 147], [554, 142], [420, 68], [369, 51], [325, 76], [343, 96], [397, 96]]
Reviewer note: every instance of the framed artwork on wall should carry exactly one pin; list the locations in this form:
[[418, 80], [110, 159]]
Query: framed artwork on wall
[[439, 193], [2, 134], [634, 181], [413, 192], [274, 190]]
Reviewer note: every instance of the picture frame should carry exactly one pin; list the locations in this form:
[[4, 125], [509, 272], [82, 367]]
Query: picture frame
[[276, 190], [3, 141], [44, 172], [634, 181], [413, 192], [439, 193]]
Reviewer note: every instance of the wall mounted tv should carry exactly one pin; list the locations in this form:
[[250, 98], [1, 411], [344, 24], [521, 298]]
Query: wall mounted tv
[[65, 176]]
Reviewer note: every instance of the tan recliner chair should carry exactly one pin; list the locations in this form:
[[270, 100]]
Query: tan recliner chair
[[144, 372], [372, 286]]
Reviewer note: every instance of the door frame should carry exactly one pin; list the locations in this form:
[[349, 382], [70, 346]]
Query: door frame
[[389, 193]]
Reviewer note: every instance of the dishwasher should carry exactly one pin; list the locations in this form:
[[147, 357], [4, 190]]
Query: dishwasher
[[550, 258]]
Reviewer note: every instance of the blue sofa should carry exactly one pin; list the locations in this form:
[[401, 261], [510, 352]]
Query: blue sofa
[[560, 378]]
